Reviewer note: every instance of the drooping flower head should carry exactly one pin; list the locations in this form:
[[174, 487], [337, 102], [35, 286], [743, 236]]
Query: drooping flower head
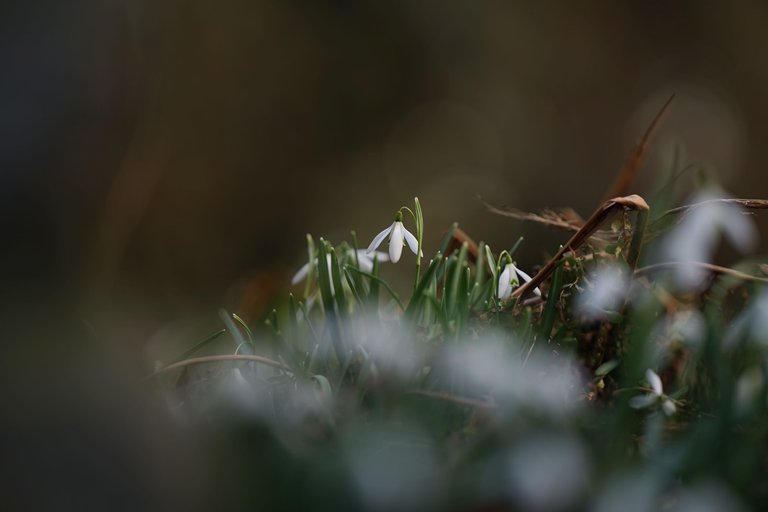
[[398, 236], [655, 396]]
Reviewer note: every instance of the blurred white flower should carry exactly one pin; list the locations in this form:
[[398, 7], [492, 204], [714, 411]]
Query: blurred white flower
[[304, 270], [688, 326], [705, 496], [508, 281], [751, 325], [655, 396], [364, 260], [398, 235], [695, 238], [493, 367], [629, 492], [394, 468], [610, 285], [749, 388], [548, 472]]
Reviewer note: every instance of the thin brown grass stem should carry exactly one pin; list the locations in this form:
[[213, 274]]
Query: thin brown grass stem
[[717, 269], [750, 204], [627, 173]]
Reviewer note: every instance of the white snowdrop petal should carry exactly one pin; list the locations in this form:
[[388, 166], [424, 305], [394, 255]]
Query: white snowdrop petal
[[396, 242], [504, 290], [365, 263], [379, 238], [413, 244], [655, 381], [738, 228], [527, 278], [522, 274], [374, 255], [491, 263], [642, 401], [506, 274], [668, 406], [301, 274]]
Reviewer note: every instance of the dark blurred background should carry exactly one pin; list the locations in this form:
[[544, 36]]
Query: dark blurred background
[[160, 159], [156, 154]]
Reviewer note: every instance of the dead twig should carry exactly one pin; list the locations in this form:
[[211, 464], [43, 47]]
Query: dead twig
[[547, 217], [717, 269], [217, 359], [750, 204], [627, 173], [633, 202]]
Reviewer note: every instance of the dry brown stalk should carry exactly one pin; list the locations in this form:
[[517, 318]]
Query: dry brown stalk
[[228, 357], [717, 269], [750, 204], [627, 173], [547, 217], [633, 202]]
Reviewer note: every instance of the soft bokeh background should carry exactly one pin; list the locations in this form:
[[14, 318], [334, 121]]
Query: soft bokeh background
[[161, 159], [156, 154]]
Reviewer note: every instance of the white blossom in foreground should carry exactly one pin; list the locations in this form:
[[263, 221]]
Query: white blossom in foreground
[[398, 236], [609, 288], [655, 396], [508, 281]]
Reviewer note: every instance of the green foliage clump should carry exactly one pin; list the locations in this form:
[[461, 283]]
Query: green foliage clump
[[613, 379]]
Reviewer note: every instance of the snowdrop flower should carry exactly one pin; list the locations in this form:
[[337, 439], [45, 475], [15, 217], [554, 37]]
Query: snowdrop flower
[[610, 287], [364, 260], [398, 235], [304, 270], [508, 281], [695, 238], [656, 395]]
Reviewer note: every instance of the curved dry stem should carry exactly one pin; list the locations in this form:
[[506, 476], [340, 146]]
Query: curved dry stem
[[633, 202], [627, 173], [717, 269], [222, 358]]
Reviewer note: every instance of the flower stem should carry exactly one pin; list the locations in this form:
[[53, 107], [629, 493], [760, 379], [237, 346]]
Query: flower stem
[[419, 218]]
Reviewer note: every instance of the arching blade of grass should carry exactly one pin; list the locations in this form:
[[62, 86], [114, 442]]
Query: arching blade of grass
[[516, 246], [293, 326], [352, 282], [244, 326], [379, 281], [480, 263], [198, 346], [359, 284], [418, 293], [341, 299], [447, 239], [373, 286], [453, 281], [240, 343], [324, 279], [328, 299], [550, 309], [461, 312]]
